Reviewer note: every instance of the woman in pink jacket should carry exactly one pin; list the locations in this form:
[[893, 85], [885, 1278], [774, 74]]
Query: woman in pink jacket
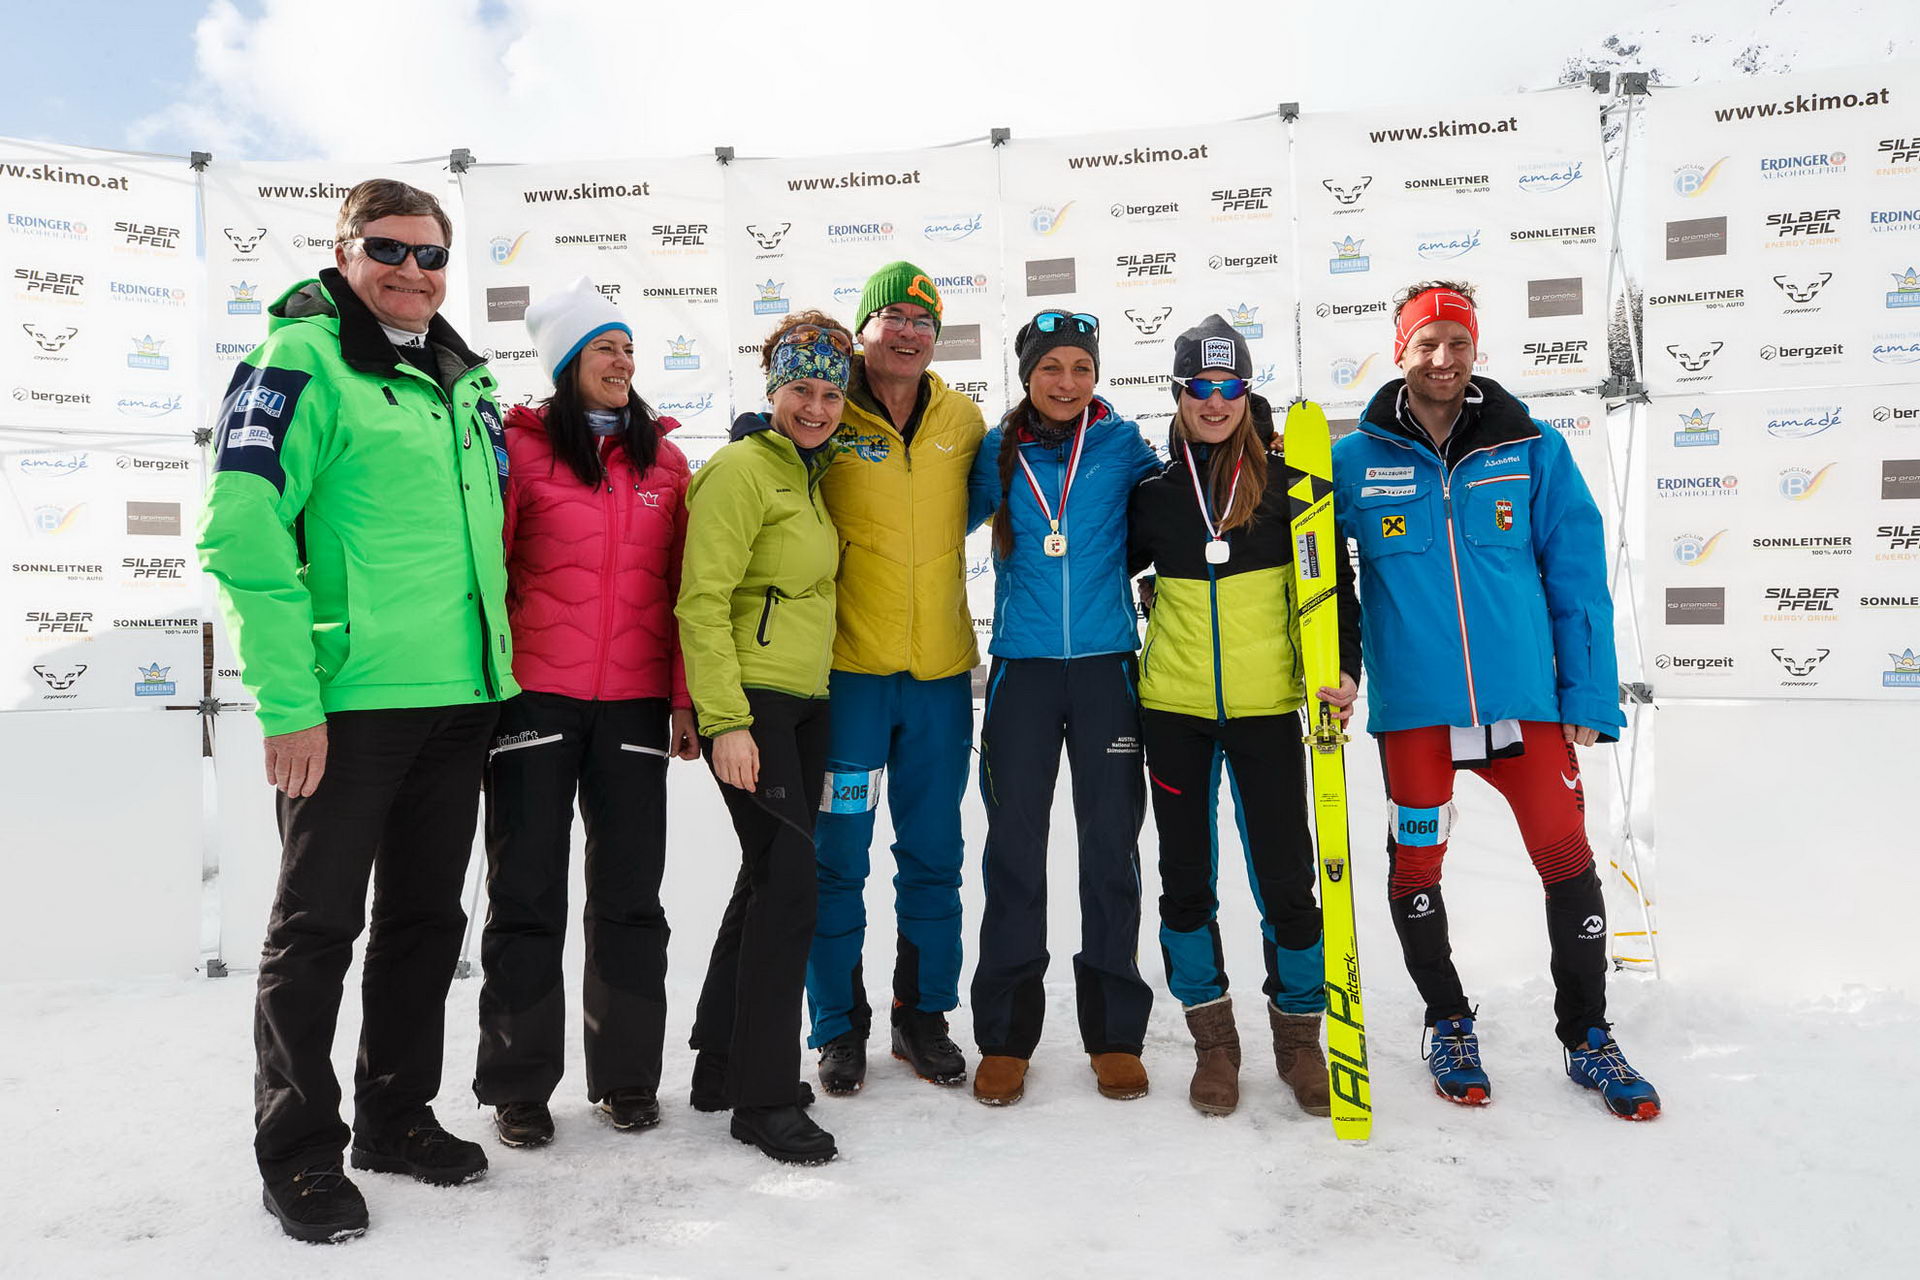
[[594, 527]]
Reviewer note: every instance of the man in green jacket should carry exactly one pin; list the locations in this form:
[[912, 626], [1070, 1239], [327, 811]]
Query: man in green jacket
[[353, 525]]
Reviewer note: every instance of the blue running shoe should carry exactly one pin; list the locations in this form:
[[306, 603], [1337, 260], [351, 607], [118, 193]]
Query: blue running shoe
[[1599, 1064], [1453, 1055]]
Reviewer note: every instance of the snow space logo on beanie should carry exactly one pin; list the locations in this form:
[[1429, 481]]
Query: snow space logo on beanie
[[562, 323], [1211, 344]]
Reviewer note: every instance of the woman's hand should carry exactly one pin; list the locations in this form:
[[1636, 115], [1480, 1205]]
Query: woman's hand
[[736, 759], [683, 737], [1341, 699]]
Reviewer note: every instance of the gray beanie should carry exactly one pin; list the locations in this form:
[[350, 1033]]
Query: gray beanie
[[1031, 343], [1211, 344]]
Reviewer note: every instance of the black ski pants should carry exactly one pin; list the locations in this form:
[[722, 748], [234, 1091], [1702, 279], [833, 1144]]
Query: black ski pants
[[397, 804], [749, 1009], [613, 756], [1033, 705]]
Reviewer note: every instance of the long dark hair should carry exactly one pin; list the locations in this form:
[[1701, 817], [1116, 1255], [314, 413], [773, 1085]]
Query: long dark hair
[[1245, 449], [573, 440], [1010, 427]]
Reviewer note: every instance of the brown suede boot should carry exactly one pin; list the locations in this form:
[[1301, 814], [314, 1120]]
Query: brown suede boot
[[1121, 1075], [1296, 1053], [1216, 1046], [1000, 1081]]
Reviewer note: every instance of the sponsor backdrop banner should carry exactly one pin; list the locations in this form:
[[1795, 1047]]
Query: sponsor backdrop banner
[[269, 226], [1783, 232], [1151, 231], [100, 599], [1506, 194], [806, 234], [650, 234], [1783, 544], [101, 290]]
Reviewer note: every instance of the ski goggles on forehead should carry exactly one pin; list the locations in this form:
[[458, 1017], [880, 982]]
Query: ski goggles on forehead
[[431, 257], [1202, 388], [1075, 321], [813, 335]]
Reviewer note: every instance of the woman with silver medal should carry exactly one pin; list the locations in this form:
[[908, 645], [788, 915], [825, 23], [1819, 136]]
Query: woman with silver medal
[[1054, 475], [1221, 690]]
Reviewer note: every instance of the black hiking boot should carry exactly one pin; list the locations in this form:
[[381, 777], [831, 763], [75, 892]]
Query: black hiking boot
[[523, 1124], [319, 1204], [920, 1040], [843, 1064], [422, 1150], [631, 1109], [787, 1134]]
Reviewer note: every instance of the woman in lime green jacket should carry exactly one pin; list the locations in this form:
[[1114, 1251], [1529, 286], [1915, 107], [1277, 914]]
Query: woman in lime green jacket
[[756, 615]]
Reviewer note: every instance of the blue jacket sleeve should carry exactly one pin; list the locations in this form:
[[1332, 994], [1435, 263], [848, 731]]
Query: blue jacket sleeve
[[983, 482], [1141, 457], [1569, 545]]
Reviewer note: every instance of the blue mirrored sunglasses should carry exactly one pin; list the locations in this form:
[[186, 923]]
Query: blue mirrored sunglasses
[[1201, 388], [1078, 321]]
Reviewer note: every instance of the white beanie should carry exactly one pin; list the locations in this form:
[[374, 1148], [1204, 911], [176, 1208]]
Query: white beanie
[[562, 323]]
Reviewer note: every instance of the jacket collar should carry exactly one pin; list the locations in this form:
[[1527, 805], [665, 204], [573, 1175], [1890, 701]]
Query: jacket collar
[[363, 343], [1499, 418], [861, 396]]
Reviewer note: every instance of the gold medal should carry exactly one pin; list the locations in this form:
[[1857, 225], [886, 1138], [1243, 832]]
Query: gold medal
[[1054, 544]]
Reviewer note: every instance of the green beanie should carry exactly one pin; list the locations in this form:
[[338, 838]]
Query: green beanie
[[898, 282]]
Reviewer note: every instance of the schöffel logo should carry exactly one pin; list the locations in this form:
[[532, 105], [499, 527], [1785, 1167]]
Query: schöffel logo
[[1536, 178], [1900, 478], [953, 227], [509, 302], [1691, 181], [1564, 297], [1049, 276], [502, 250], [1812, 164], [24, 224], [1347, 192], [245, 300], [957, 342], [1441, 246], [1696, 486], [680, 354], [245, 240], [1697, 238], [1797, 484], [1696, 606], [142, 235], [1693, 549], [1696, 430], [679, 235], [1803, 288], [1906, 289], [1798, 424], [1348, 258], [1803, 226], [767, 299], [1159, 212]]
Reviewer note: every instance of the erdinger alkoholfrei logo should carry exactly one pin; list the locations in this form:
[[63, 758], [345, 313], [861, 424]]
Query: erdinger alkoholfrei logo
[[1148, 321], [245, 300], [767, 235], [1349, 257], [1695, 358], [767, 300], [680, 353], [1906, 289], [1803, 288], [502, 250], [1696, 429], [1241, 317], [245, 240], [1347, 191]]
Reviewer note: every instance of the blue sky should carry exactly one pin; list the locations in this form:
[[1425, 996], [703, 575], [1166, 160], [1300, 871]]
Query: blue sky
[[559, 79]]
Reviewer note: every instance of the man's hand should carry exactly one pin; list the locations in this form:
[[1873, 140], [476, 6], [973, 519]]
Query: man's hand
[[1579, 735], [1341, 699], [683, 738], [736, 759], [295, 761]]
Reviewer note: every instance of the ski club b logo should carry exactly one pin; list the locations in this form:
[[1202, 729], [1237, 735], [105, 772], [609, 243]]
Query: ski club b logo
[[1503, 514], [1393, 526]]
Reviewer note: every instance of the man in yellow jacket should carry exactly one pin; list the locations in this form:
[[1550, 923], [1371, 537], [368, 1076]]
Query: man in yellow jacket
[[901, 686]]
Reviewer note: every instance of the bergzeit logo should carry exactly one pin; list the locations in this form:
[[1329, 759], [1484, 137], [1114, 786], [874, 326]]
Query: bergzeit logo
[[1694, 664], [1346, 311], [1161, 211], [1243, 262], [52, 399], [1826, 353], [1895, 348]]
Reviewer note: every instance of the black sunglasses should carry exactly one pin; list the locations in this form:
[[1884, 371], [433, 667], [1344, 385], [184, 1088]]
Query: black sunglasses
[[431, 257]]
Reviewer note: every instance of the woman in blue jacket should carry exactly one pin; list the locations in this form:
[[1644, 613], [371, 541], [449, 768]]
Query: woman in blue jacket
[[1055, 475]]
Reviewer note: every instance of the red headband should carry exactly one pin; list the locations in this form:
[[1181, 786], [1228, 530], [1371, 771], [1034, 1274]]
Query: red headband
[[1423, 309]]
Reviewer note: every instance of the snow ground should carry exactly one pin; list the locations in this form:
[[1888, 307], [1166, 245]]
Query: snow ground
[[1785, 1150]]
